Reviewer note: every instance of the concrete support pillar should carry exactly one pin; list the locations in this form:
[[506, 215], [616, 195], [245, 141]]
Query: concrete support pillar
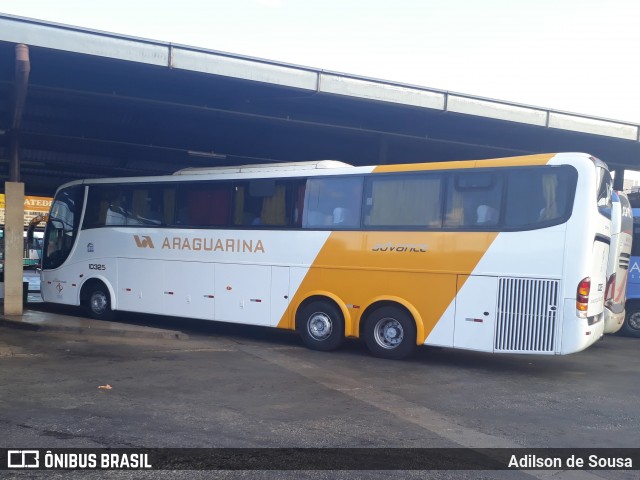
[[13, 247]]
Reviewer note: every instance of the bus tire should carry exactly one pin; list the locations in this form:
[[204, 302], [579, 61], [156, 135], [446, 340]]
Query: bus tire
[[631, 325], [97, 302], [321, 325], [390, 332]]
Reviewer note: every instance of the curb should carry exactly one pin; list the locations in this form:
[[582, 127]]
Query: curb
[[97, 329]]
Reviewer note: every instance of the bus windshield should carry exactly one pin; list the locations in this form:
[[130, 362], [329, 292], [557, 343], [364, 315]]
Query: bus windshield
[[62, 226]]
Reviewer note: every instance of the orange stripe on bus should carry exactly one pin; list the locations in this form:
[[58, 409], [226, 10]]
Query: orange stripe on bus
[[425, 282], [541, 159]]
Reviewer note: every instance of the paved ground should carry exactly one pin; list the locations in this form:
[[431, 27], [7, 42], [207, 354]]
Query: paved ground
[[236, 386]]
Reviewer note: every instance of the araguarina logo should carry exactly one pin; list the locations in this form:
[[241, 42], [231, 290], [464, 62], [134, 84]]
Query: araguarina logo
[[144, 241]]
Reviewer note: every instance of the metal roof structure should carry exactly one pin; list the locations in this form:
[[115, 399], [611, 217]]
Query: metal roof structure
[[99, 104]]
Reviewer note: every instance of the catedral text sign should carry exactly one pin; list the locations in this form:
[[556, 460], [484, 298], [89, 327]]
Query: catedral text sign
[[33, 206]]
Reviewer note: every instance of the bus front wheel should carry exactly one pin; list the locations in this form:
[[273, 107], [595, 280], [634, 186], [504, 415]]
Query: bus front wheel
[[631, 325], [321, 325], [390, 332], [97, 302]]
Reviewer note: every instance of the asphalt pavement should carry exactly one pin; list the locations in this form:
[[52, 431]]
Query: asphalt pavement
[[182, 383]]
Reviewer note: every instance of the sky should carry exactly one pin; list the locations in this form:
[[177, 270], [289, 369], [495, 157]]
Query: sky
[[578, 56]]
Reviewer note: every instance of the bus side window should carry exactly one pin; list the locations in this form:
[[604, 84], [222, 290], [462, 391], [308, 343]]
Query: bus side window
[[605, 188], [169, 204], [333, 202], [96, 211], [298, 204], [203, 204], [262, 202], [537, 195], [105, 206], [525, 201], [473, 199], [317, 213], [117, 208], [404, 201], [274, 207], [146, 205]]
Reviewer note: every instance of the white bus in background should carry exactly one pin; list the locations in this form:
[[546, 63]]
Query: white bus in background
[[618, 264], [504, 255]]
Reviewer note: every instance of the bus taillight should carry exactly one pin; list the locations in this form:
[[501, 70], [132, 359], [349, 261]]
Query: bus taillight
[[582, 297]]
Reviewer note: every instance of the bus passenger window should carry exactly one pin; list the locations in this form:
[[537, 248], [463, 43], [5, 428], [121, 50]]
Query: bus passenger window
[[247, 208], [261, 202], [538, 195], [146, 205], [116, 213], [298, 204], [203, 204], [404, 201], [169, 204], [473, 200], [332, 203], [106, 205], [273, 211], [604, 192]]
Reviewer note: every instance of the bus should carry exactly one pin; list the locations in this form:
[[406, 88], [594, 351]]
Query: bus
[[34, 208], [631, 325], [31, 255], [618, 264], [501, 255], [31, 250]]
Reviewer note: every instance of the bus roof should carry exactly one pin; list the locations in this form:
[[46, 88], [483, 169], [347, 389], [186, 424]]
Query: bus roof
[[265, 167], [332, 167]]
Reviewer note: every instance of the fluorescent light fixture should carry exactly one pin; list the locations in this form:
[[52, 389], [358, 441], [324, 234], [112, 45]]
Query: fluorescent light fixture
[[195, 153]]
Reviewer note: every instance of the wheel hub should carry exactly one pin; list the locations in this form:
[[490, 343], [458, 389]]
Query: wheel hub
[[319, 326], [389, 333], [98, 302]]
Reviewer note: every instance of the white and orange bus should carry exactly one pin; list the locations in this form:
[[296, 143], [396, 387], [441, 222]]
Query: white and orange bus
[[504, 255]]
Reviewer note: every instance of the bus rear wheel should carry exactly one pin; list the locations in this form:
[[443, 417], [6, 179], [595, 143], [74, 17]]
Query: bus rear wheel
[[97, 302], [321, 325], [390, 332], [631, 325]]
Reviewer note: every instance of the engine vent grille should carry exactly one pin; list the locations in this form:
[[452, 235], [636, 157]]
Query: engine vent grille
[[526, 315]]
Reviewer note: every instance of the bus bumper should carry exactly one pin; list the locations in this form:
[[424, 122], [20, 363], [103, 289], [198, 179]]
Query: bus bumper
[[579, 333], [613, 321]]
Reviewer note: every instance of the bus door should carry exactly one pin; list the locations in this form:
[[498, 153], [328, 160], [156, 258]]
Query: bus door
[[475, 312]]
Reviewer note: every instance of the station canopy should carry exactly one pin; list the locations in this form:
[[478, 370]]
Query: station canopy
[[106, 105]]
